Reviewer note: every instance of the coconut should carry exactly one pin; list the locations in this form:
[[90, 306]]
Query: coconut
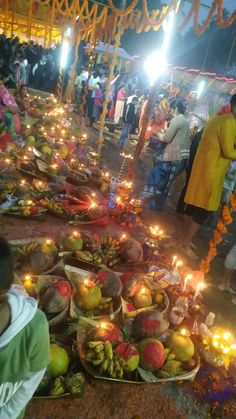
[[181, 346], [73, 243], [152, 354], [37, 262], [30, 139], [149, 324], [91, 242], [110, 332], [111, 283], [56, 297], [87, 298], [46, 149], [131, 251], [128, 356], [97, 212], [59, 361], [131, 284]]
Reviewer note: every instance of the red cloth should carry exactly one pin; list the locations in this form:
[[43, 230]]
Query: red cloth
[[224, 109], [5, 140]]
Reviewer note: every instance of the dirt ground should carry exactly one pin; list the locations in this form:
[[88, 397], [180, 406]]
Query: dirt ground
[[108, 400]]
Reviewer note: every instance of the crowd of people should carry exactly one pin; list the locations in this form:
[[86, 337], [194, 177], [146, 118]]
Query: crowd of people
[[28, 63]]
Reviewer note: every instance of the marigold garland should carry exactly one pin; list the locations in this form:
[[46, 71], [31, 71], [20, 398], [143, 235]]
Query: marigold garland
[[225, 219]]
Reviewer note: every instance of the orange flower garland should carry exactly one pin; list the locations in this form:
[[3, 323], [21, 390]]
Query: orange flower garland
[[220, 229]]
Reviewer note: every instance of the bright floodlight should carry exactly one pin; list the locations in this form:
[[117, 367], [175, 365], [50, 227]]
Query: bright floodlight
[[201, 88], [155, 65], [168, 26], [64, 54], [68, 31]]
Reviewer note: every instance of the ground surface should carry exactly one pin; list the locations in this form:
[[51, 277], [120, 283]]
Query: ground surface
[[108, 400]]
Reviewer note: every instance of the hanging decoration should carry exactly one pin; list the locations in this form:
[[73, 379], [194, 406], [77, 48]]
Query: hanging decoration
[[221, 228], [31, 18]]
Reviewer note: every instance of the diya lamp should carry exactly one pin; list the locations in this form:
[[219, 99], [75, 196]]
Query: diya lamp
[[88, 283], [219, 347], [136, 204]]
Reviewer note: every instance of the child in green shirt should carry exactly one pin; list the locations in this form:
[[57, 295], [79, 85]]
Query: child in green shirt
[[24, 342]]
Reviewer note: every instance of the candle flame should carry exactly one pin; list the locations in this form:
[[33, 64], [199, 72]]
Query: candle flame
[[27, 277], [227, 335], [216, 344], [201, 286], [93, 205], [49, 241], [184, 332], [103, 325], [216, 336]]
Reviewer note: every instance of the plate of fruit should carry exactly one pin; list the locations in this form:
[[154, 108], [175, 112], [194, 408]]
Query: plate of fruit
[[94, 295], [105, 251], [142, 293], [108, 353], [35, 256], [63, 376], [53, 294]]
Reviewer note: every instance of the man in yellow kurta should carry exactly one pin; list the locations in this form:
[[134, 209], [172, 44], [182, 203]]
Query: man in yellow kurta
[[215, 152]]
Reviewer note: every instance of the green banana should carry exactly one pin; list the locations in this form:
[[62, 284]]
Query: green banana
[[93, 344], [108, 350], [99, 348], [104, 365], [110, 368]]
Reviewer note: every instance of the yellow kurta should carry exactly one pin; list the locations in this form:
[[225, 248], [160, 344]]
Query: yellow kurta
[[215, 151]]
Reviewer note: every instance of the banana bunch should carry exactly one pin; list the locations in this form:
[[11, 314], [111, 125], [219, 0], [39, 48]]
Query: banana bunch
[[101, 354], [110, 248], [107, 241], [54, 207], [26, 249], [9, 187], [89, 257]]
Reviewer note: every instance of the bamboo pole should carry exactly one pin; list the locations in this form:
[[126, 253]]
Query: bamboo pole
[[117, 38], [6, 15]]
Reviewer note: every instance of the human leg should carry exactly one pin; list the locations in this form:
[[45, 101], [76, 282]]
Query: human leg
[[229, 267], [124, 134]]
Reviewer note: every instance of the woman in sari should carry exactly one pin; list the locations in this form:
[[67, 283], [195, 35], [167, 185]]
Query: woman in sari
[[9, 110]]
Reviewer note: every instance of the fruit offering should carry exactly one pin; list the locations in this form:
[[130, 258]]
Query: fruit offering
[[62, 375], [35, 257], [104, 353]]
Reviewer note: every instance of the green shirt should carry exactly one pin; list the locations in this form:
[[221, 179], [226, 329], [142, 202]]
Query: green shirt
[[28, 351]]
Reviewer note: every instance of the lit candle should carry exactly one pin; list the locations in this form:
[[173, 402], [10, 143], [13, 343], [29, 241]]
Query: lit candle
[[23, 182], [174, 260], [93, 205], [186, 279], [123, 237], [200, 287], [76, 234], [184, 332], [28, 126], [106, 174], [27, 282], [8, 161], [178, 264], [29, 202], [88, 283]]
